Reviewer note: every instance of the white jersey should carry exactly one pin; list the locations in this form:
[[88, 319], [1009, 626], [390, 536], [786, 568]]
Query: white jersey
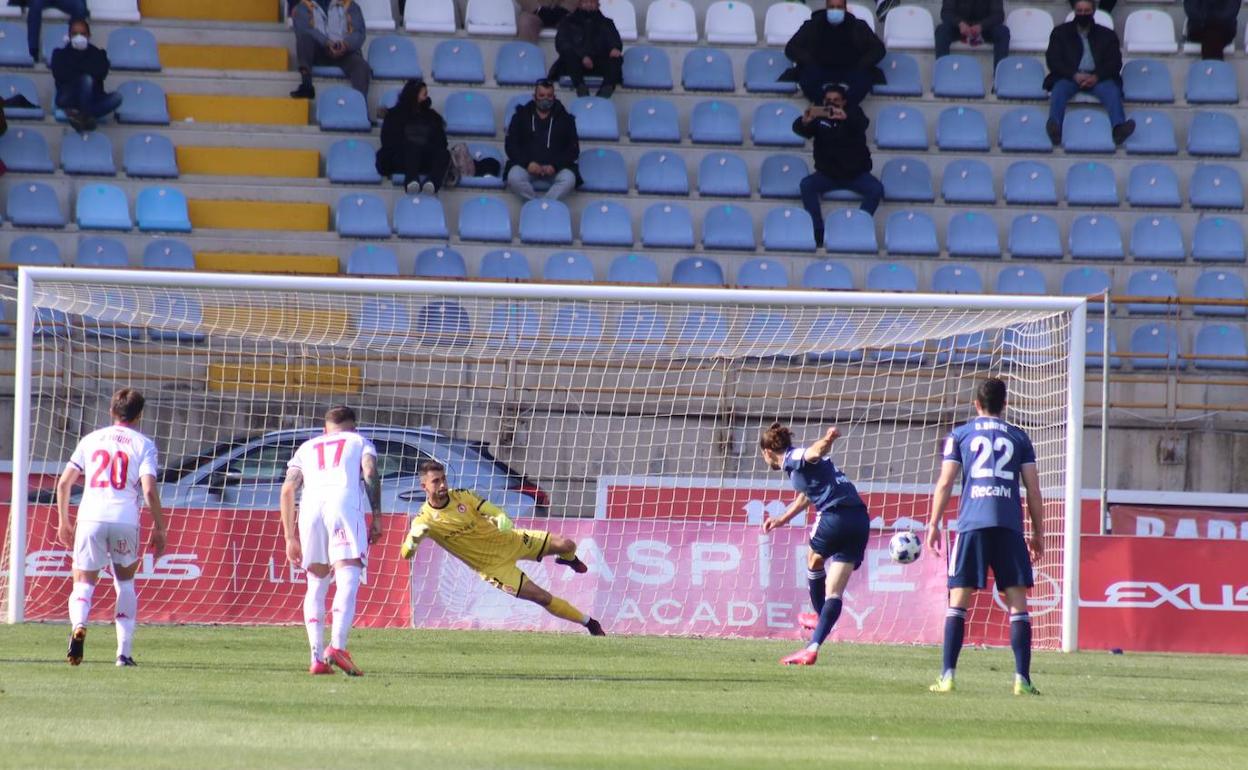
[[333, 472], [112, 461]]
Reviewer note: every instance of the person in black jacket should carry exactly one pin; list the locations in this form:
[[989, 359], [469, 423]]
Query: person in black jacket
[[835, 47], [79, 70], [842, 159], [1211, 23], [542, 146], [589, 44], [1084, 56], [413, 141], [973, 22]]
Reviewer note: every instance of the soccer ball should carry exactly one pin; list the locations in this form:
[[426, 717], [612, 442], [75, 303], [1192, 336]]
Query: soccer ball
[[905, 547]]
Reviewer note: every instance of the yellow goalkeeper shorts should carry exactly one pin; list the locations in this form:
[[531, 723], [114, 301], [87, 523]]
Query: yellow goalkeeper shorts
[[526, 544]]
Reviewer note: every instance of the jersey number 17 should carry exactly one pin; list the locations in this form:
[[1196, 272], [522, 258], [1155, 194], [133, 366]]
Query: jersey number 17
[[338, 446]]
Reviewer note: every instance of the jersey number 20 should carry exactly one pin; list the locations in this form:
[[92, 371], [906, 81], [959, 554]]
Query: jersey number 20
[[984, 449], [111, 471]]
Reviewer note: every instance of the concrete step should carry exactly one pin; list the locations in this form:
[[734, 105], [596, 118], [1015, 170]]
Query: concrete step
[[245, 262], [258, 215], [249, 162], [238, 110], [211, 10], [212, 57]]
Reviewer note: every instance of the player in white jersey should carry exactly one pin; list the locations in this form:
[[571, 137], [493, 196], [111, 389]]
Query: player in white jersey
[[337, 471], [120, 467]]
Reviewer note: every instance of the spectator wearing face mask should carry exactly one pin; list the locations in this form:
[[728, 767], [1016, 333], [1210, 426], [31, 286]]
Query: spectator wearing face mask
[[542, 146], [79, 70], [1085, 57], [834, 46], [413, 141], [329, 33]]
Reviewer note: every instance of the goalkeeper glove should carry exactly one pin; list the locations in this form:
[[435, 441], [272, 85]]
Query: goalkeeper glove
[[503, 523], [412, 541]]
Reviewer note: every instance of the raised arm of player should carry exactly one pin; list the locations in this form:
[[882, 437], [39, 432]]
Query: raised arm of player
[[818, 450], [1035, 509], [64, 488], [151, 494], [420, 528], [799, 504], [372, 487], [294, 478], [940, 499], [495, 514]]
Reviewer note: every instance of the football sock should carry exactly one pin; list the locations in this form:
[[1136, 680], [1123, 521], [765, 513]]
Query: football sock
[[561, 609], [955, 629], [817, 580], [1020, 642], [347, 579], [827, 618], [127, 611], [80, 603], [314, 614]]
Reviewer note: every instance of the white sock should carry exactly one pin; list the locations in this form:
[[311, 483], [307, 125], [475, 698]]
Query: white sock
[[347, 579], [127, 613], [314, 614], [80, 603]]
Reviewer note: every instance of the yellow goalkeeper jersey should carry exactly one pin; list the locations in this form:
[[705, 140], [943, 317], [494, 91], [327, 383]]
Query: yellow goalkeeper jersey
[[468, 527]]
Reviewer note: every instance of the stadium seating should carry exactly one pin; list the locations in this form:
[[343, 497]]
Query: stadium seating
[[1022, 281], [55, 35], [378, 15], [730, 21], [604, 223], [667, 226], [1091, 184], [13, 49], [430, 16], [1214, 186], [101, 252], [568, 266], [1095, 237], [575, 328], [1028, 182], [907, 179], [957, 279], [1220, 285], [1213, 133], [484, 219], [168, 254], [341, 108], [12, 86], [782, 20], [458, 61], [420, 216], [962, 129], [1022, 130], [624, 14], [1087, 131], [545, 221], [972, 234], [762, 68], [967, 181], [359, 215], [34, 250], [468, 114], [102, 207], [958, 76], [133, 48], [1155, 346], [1153, 185], [1094, 346], [393, 57], [595, 119], [892, 276], [909, 27], [1019, 77], [1211, 82], [1147, 80], [781, 176], [1086, 282], [773, 125], [653, 120], [150, 155], [1154, 134], [1149, 31], [490, 17], [1151, 284], [1218, 239], [901, 76], [899, 127], [671, 21], [723, 175], [1221, 347], [661, 172], [1029, 29], [707, 69], [440, 262], [633, 268], [762, 273], [850, 231], [1157, 239], [25, 151], [505, 265], [788, 229], [519, 63], [1035, 236], [697, 271], [350, 161], [603, 171], [911, 233], [647, 67], [828, 276], [162, 209], [89, 153], [34, 204], [143, 102], [715, 122]]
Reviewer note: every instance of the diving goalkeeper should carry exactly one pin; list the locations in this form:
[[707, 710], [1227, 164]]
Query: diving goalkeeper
[[479, 534]]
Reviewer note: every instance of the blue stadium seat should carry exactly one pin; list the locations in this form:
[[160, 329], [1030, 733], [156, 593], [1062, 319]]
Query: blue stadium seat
[[728, 227], [34, 204], [762, 68], [458, 61], [350, 161], [973, 349], [595, 119], [1220, 285], [1035, 236], [827, 275], [667, 226], [781, 176], [972, 234], [168, 254], [653, 120], [1217, 239], [707, 69], [545, 221], [715, 122], [647, 67], [911, 232], [1087, 131], [393, 57], [1215, 186], [900, 127], [1153, 284], [958, 76], [1021, 280], [1213, 133], [568, 266], [850, 231], [161, 209], [772, 125], [1022, 130], [967, 181], [1019, 77], [150, 155], [575, 328], [1212, 82], [519, 63], [384, 321], [697, 271], [633, 268], [442, 324], [133, 48], [640, 329], [480, 151], [768, 329], [515, 325], [1091, 184], [1094, 346], [54, 35], [102, 207], [359, 215], [788, 228], [25, 151], [1153, 185], [143, 102], [603, 171], [1030, 182], [89, 153], [908, 180], [181, 314], [420, 216], [13, 48], [468, 114], [1086, 282], [1147, 80], [1154, 134], [342, 108], [372, 259], [440, 262], [762, 273], [101, 252], [603, 223], [505, 265], [723, 175], [1155, 346], [958, 279], [1216, 343], [892, 276], [962, 129], [14, 85], [662, 172], [901, 76], [34, 250], [484, 219], [1157, 239], [837, 339], [1095, 236], [514, 103]]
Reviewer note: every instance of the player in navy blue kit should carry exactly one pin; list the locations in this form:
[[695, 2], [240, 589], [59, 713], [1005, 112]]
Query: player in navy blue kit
[[992, 457], [838, 539]]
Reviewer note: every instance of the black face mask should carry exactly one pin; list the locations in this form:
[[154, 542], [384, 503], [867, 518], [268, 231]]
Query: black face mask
[[1084, 22], [425, 103]]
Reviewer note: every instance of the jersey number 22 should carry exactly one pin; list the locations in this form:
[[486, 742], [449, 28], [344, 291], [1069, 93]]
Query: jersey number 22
[[984, 450]]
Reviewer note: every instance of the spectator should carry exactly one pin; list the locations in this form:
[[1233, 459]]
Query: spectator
[[1211, 23], [74, 9], [542, 145], [413, 141], [79, 70], [835, 47], [842, 159], [1107, 6], [329, 33], [1084, 56], [589, 44], [536, 15], [974, 22]]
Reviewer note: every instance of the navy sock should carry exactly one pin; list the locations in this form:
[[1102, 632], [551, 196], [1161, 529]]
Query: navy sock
[[955, 629], [1020, 642], [827, 618], [817, 580]]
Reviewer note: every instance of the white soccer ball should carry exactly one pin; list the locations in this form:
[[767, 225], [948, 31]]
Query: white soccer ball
[[905, 547]]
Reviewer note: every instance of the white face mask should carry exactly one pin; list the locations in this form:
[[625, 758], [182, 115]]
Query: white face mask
[[79, 42]]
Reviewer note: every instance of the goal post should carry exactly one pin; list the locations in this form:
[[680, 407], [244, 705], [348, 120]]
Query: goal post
[[626, 417]]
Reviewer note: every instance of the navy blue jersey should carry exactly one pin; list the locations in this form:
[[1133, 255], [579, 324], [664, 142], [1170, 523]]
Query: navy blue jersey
[[992, 453], [829, 490]]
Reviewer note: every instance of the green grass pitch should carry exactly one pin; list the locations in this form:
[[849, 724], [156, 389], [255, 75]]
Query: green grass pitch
[[240, 697]]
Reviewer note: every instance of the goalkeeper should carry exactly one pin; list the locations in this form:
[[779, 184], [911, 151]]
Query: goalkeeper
[[479, 534]]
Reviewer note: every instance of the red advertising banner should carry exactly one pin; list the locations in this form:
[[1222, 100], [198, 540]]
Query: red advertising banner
[[1181, 522]]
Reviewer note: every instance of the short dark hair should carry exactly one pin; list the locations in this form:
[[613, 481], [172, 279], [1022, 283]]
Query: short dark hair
[[79, 20], [127, 405], [430, 466], [990, 395], [777, 438], [341, 414], [837, 87], [544, 83]]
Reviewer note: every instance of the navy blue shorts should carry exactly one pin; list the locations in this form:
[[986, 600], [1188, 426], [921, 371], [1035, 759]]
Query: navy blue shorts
[[1001, 549], [842, 536]]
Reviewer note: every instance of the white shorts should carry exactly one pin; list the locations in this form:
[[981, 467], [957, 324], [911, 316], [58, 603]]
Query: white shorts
[[98, 544], [330, 535]]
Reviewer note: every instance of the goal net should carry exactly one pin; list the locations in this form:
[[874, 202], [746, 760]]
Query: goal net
[[625, 418]]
